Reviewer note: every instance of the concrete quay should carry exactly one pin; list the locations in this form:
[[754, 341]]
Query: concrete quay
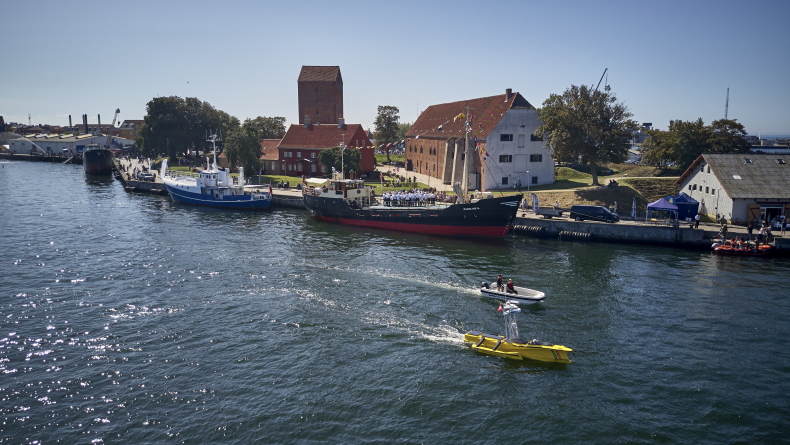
[[42, 158], [124, 171], [629, 231]]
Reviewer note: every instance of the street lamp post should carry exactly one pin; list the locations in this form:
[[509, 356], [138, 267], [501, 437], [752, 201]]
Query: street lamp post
[[342, 156], [528, 181]]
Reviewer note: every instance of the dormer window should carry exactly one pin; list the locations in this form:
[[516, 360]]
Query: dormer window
[[747, 160], [781, 161]]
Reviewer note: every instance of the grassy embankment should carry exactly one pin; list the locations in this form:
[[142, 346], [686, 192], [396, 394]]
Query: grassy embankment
[[643, 183], [574, 186]]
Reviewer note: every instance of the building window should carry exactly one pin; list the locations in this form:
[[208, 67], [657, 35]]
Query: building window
[[534, 180], [420, 150], [506, 137], [298, 154], [713, 192], [312, 168], [709, 169], [707, 191], [505, 158], [312, 155], [535, 158], [504, 181], [534, 138], [522, 141]]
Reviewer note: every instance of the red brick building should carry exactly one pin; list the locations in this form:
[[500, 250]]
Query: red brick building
[[320, 94], [297, 153]]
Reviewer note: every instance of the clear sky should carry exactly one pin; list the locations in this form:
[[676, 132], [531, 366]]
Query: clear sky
[[666, 59]]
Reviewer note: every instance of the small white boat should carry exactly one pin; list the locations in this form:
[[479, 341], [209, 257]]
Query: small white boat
[[523, 295]]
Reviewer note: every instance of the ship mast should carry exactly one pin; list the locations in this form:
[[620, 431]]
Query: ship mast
[[465, 176]]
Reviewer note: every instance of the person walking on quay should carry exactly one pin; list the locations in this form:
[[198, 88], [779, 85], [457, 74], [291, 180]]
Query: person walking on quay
[[696, 221], [783, 224], [750, 228]]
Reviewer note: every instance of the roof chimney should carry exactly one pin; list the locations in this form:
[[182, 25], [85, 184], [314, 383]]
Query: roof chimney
[[508, 93], [341, 122], [306, 121]]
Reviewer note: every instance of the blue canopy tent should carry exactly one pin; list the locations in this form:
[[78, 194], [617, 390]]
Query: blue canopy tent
[[688, 207], [662, 205]]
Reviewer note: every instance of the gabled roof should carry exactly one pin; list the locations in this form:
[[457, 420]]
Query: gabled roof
[[321, 136], [269, 150], [319, 73], [747, 175], [486, 112]]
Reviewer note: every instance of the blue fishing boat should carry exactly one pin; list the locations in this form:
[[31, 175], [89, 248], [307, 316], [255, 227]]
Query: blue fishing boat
[[214, 187]]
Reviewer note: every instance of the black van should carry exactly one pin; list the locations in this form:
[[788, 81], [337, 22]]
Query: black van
[[593, 213]]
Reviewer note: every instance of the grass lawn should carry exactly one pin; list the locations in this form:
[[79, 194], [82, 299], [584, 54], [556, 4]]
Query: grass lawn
[[381, 159]]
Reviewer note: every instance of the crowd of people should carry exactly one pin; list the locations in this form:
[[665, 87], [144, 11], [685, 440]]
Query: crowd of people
[[414, 197]]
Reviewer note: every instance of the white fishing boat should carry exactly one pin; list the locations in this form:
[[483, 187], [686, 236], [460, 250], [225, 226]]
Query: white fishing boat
[[522, 295]]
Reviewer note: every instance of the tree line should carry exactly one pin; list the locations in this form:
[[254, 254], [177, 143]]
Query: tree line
[[590, 126], [174, 126]]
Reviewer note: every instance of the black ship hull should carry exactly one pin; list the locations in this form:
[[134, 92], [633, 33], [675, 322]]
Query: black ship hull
[[97, 162], [486, 218]]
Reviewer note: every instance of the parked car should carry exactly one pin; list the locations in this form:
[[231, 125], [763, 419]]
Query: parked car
[[593, 213]]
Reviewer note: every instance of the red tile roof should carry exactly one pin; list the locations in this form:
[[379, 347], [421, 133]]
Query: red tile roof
[[322, 136], [319, 73], [486, 111], [269, 150]]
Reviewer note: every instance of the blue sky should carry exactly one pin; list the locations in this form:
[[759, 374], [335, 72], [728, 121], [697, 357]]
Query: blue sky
[[666, 60]]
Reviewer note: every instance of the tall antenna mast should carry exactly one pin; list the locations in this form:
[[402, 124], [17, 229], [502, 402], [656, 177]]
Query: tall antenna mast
[[599, 82], [727, 104], [213, 138]]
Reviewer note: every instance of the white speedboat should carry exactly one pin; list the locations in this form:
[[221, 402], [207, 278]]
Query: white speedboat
[[523, 295]]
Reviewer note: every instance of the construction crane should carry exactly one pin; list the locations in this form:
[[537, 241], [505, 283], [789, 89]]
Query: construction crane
[[112, 127]]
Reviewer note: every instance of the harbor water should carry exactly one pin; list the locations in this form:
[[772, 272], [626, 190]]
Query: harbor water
[[129, 318]]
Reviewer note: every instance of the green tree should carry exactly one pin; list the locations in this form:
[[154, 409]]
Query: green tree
[[173, 125], [386, 124], [684, 142], [271, 127], [403, 128], [727, 136], [586, 123], [332, 157], [243, 147]]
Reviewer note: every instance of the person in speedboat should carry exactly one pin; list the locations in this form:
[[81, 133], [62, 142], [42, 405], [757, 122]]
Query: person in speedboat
[[511, 289]]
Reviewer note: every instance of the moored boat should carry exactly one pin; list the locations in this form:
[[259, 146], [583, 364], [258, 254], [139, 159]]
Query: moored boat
[[349, 201], [97, 160], [742, 248], [522, 295], [513, 347], [214, 187]]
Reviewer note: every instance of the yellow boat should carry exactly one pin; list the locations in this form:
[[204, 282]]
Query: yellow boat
[[511, 346]]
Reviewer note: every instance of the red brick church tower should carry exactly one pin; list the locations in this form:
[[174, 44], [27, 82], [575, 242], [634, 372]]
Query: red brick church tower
[[320, 94]]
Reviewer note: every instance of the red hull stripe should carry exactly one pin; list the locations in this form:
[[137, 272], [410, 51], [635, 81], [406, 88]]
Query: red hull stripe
[[429, 229]]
